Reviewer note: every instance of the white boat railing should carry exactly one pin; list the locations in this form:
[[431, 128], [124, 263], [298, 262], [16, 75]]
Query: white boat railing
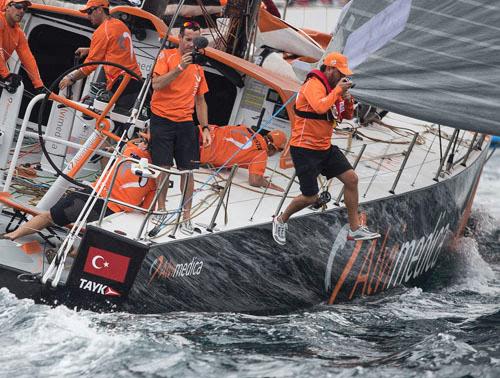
[[154, 171]]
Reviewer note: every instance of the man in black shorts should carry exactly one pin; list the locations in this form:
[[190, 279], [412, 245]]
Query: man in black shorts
[[128, 188], [323, 100], [179, 87]]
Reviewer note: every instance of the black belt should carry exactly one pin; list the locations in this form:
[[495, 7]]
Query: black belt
[[328, 116]]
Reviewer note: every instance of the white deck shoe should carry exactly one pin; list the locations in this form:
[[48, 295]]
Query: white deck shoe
[[279, 230], [187, 228], [362, 233]]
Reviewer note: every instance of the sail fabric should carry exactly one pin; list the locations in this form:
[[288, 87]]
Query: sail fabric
[[438, 61]]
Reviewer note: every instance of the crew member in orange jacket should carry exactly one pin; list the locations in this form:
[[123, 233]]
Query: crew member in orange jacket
[[111, 42], [323, 100], [128, 188], [12, 38], [240, 145]]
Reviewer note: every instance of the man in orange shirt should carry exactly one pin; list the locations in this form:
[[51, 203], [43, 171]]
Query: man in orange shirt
[[128, 187], [179, 87], [12, 39], [240, 145], [323, 99], [111, 42]]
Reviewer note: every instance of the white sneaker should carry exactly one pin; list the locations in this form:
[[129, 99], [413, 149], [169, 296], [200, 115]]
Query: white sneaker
[[279, 230], [186, 228], [362, 233], [158, 219]]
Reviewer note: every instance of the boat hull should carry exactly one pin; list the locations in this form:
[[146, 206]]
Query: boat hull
[[244, 270]]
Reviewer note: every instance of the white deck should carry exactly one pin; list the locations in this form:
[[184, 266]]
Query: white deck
[[377, 171]]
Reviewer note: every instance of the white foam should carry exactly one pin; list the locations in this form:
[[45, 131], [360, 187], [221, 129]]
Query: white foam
[[472, 272]]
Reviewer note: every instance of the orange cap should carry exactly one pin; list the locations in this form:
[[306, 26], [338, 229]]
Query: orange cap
[[339, 61], [19, 1], [95, 3], [278, 139]]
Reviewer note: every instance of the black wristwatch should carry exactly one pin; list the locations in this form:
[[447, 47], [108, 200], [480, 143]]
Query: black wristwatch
[[205, 128]]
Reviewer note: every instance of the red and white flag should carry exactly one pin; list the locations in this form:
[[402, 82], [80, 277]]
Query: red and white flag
[[106, 264]]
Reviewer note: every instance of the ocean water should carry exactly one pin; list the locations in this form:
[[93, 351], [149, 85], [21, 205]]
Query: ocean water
[[449, 328]]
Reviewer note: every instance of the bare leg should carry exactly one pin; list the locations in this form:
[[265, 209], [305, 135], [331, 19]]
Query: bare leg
[[35, 224], [351, 197], [298, 203], [189, 195], [162, 198]]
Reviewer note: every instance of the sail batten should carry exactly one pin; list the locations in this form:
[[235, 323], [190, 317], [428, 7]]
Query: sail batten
[[438, 61]]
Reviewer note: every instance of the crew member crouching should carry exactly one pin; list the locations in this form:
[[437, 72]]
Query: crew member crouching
[[240, 145], [128, 188]]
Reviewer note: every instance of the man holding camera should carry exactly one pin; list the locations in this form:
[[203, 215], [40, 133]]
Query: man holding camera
[[179, 87], [322, 102], [12, 38]]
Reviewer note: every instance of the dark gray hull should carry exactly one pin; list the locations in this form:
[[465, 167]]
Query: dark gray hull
[[246, 271]]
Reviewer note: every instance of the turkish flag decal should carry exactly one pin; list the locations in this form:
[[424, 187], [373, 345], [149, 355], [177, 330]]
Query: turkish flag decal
[[106, 264]]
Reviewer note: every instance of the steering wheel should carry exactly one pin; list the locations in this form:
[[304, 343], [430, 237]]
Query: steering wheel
[[102, 124]]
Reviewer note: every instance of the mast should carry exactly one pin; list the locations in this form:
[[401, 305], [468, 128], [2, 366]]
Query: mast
[[243, 25]]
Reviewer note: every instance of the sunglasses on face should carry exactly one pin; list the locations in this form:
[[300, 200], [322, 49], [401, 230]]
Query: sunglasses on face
[[91, 10], [19, 6], [190, 24]]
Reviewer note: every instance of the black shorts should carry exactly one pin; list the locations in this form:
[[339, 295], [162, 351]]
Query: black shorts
[[68, 208], [309, 164], [174, 140], [129, 94]]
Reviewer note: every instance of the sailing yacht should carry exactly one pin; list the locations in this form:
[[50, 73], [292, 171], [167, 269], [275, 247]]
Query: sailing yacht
[[426, 81]]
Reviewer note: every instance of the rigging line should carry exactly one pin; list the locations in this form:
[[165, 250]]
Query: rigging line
[[74, 111], [265, 190], [423, 161], [491, 154], [211, 24], [69, 241], [377, 171], [262, 126], [141, 98]]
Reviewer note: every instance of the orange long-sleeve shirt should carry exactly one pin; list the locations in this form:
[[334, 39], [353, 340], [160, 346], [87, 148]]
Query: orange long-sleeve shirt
[[236, 145], [316, 134], [13, 39], [112, 42], [128, 187]]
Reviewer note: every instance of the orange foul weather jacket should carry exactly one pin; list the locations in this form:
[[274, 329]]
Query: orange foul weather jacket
[[316, 134], [13, 39], [112, 42], [128, 187], [234, 145]]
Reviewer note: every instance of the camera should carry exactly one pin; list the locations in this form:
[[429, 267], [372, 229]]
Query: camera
[[349, 80], [199, 44]]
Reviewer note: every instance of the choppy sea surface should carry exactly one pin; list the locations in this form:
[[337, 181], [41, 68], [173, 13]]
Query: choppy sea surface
[[449, 328]]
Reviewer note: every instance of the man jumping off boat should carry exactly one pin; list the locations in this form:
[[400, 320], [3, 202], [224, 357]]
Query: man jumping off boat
[[240, 145], [12, 38], [179, 87], [111, 42], [128, 188], [323, 99]]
